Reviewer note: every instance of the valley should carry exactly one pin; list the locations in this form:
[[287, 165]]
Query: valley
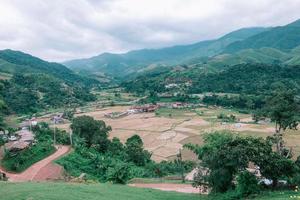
[[218, 117], [166, 130]]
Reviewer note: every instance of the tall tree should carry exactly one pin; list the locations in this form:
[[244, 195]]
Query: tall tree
[[283, 108], [94, 132], [135, 151]]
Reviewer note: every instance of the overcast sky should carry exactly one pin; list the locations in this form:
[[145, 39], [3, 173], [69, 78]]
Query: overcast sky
[[58, 30]]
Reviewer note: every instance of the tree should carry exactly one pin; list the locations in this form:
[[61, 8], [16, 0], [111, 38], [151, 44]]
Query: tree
[[283, 109], [224, 155], [275, 166], [116, 147], [95, 132], [135, 151], [247, 184]]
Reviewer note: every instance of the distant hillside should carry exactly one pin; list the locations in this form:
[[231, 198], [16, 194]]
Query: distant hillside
[[30, 84], [243, 78], [12, 62], [283, 38], [121, 65]]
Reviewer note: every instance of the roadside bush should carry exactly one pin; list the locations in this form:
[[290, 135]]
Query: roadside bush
[[2, 142], [43, 133], [20, 161], [247, 184], [119, 173]]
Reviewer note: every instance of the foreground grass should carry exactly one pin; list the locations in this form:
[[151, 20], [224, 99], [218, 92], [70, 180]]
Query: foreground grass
[[63, 191], [66, 191]]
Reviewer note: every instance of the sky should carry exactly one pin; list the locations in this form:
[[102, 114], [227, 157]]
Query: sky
[[59, 30]]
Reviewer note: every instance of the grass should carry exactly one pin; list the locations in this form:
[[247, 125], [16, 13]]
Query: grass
[[66, 191], [63, 191]]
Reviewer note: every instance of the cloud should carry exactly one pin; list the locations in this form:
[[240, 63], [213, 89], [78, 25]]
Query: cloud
[[60, 30]]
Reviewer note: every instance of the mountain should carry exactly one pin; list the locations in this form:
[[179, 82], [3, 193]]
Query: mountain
[[121, 65], [283, 38], [12, 62], [29, 84]]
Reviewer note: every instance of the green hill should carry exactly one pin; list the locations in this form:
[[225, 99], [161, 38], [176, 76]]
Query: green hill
[[245, 78], [13, 62], [283, 38], [121, 65], [29, 84]]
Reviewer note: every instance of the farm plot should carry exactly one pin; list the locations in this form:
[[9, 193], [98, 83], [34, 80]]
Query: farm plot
[[167, 130]]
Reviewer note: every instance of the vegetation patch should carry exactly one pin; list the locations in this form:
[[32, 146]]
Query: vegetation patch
[[18, 162]]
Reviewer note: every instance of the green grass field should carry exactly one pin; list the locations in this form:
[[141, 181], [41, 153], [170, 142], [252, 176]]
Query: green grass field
[[67, 191], [61, 191]]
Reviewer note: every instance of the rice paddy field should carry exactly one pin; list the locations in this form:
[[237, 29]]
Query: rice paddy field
[[166, 130]]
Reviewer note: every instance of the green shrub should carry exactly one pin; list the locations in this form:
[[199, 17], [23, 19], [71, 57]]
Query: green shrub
[[247, 184], [119, 173], [21, 160], [43, 133]]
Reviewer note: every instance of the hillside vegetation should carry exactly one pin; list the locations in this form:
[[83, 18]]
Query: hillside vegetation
[[35, 84]]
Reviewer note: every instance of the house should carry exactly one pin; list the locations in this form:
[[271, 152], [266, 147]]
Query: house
[[177, 105], [16, 146], [26, 138], [28, 123], [57, 119], [25, 135]]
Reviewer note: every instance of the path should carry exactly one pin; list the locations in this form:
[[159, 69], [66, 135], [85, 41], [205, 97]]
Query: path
[[184, 188], [42, 170]]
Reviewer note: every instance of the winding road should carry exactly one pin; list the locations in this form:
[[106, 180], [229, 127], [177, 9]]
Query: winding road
[[43, 170]]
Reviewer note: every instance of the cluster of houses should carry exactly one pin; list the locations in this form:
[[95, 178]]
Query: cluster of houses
[[114, 115], [179, 105], [133, 110], [150, 108], [21, 139]]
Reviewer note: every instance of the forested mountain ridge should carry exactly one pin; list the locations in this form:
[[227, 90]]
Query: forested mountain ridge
[[250, 45], [254, 79], [35, 84], [283, 38], [134, 61]]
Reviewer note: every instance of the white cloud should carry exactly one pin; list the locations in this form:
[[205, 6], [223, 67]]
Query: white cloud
[[58, 30]]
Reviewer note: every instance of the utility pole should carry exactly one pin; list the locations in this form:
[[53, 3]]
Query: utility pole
[[71, 140], [180, 162], [54, 132]]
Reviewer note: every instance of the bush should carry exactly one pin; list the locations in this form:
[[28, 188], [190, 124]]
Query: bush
[[20, 161], [44, 134], [119, 173], [2, 142], [225, 118], [247, 184]]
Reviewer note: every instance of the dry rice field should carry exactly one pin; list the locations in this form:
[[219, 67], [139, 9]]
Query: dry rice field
[[166, 131]]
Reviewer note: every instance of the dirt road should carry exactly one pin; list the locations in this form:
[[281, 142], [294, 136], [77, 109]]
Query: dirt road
[[42, 170], [184, 188]]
